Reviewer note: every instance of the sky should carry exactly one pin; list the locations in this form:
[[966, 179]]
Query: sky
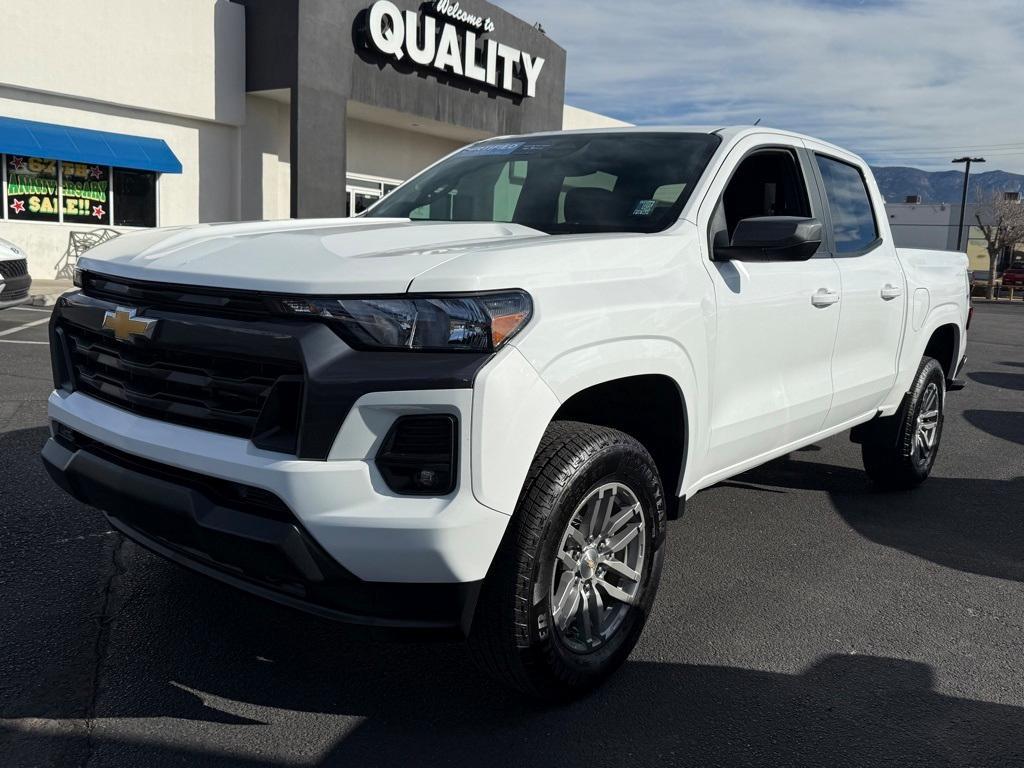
[[906, 82]]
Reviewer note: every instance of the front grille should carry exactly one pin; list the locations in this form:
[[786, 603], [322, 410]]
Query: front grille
[[13, 295], [209, 301], [220, 393], [15, 268]]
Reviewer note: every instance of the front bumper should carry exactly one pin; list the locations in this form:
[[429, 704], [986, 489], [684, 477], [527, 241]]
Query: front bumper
[[345, 546]]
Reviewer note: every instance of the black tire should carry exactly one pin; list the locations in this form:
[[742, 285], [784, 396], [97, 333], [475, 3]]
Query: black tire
[[513, 636], [893, 456]]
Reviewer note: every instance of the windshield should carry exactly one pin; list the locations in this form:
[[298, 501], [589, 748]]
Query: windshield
[[564, 183]]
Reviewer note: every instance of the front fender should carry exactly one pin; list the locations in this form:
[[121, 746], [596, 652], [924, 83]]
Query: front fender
[[514, 403]]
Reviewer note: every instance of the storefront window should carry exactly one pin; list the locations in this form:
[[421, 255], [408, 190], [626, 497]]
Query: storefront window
[[364, 191], [40, 189], [134, 198], [86, 193], [361, 201], [32, 193]]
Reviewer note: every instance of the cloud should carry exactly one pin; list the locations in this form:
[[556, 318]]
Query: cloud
[[902, 83]]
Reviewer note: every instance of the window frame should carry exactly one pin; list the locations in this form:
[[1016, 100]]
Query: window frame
[[812, 188], [362, 183], [111, 171], [827, 220]]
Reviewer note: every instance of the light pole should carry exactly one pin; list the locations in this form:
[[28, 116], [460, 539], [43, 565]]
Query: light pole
[[963, 200]]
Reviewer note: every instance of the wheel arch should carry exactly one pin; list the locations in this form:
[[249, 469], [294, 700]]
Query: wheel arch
[[660, 424], [514, 402], [940, 337], [944, 345]]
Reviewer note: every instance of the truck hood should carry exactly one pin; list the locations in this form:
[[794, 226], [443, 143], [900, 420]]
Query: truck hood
[[336, 256]]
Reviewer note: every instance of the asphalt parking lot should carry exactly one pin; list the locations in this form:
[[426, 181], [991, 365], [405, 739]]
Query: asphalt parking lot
[[803, 619]]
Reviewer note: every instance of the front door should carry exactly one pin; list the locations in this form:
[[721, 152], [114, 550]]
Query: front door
[[776, 321]]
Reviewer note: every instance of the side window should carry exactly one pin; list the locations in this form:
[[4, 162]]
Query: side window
[[853, 219], [766, 183]]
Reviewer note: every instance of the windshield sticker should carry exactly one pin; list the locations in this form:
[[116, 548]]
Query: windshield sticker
[[499, 148], [644, 207]]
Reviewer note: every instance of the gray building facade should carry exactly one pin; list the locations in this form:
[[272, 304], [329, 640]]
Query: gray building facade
[[457, 73]]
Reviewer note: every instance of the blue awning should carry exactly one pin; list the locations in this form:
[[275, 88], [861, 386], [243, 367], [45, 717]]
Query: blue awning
[[62, 142]]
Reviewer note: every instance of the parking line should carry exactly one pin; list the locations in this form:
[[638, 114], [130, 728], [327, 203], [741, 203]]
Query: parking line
[[24, 327], [28, 309], [21, 341]]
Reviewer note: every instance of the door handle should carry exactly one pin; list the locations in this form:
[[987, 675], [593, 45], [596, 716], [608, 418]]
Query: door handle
[[890, 291], [823, 297]]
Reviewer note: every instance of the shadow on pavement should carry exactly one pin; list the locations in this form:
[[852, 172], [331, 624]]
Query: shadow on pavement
[[1007, 425], [969, 524], [843, 711], [998, 379], [197, 662]]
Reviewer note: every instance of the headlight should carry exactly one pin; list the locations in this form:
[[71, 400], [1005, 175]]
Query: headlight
[[477, 322]]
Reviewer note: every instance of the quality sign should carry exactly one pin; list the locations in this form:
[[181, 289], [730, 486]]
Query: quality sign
[[447, 38]]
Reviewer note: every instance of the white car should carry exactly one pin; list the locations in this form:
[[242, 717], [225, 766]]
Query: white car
[[476, 406], [14, 278]]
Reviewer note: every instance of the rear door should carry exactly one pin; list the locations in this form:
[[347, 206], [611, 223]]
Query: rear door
[[873, 306], [775, 321]]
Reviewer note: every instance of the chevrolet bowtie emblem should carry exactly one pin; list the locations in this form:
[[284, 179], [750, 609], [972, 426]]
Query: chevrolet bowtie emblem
[[126, 326]]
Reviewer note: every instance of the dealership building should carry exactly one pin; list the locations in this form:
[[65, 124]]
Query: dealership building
[[169, 113]]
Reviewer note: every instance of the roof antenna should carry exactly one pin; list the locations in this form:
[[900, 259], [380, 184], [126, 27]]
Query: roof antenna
[[757, 121]]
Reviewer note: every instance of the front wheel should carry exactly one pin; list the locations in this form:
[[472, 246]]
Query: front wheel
[[571, 586], [899, 451]]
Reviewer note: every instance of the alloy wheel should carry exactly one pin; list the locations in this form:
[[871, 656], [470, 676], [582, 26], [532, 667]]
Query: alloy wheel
[[598, 567], [927, 424]]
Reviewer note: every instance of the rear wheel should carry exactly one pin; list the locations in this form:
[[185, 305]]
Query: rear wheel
[[899, 451], [570, 589]]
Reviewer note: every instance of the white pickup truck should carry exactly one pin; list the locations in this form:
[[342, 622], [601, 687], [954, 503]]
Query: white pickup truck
[[475, 406]]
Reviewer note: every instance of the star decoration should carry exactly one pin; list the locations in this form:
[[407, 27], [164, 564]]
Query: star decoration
[[95, 172], [15, 164], [98, 212], [18, 206]]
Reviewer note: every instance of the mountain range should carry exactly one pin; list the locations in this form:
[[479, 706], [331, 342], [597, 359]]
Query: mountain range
[[898, 182]]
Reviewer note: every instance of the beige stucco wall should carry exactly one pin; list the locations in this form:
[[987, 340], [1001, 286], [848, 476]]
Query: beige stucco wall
[[574, 118], [383, 150], [208, 190], [175, 72], [182, 57], [266, 163]]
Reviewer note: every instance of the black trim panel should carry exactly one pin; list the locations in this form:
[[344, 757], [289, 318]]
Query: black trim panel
[[187, 522]]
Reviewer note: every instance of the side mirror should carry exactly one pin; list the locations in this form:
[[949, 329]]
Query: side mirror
[[771, 238]]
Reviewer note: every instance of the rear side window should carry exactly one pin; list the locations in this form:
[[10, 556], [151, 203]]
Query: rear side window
[[853, 220]]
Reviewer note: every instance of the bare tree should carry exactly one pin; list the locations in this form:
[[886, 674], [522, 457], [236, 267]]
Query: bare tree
[[1001, 222]]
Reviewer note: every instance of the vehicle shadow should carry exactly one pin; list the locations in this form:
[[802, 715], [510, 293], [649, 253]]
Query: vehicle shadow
[[122, 653], [1006, 425], [969, 524], [998, 379], [843, 711]]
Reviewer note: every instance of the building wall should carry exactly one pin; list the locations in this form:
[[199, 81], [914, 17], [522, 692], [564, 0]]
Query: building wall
[[207, 191], [174, 72], [266, 160], [923, 225], [382, 150], [181, 57], [322, 61], [574, 118]]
